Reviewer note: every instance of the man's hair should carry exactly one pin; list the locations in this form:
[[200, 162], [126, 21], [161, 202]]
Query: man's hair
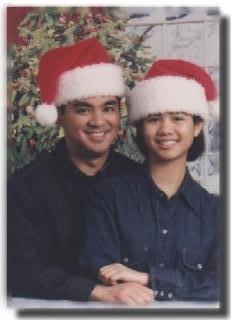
[[61, 109], [195, 151]]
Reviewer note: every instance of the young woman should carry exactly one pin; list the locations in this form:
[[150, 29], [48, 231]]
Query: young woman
[[159, 227]]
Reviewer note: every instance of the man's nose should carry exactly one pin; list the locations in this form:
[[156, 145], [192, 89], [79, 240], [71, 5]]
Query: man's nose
[[97, 118]]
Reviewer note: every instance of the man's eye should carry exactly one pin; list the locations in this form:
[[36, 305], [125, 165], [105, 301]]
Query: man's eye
[[109, 108], [81, 109]]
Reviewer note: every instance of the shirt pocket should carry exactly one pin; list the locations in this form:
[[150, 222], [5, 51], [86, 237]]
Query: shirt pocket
[[194, 259], [135, 256]]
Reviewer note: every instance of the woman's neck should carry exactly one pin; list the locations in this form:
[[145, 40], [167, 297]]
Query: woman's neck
[[168, 175]]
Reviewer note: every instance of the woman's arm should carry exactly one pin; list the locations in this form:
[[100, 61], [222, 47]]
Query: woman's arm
[[117, 273]]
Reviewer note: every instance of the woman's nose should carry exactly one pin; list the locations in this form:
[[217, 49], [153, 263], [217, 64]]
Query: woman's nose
[[166, 125]]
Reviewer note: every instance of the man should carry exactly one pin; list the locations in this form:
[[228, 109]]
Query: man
[[81, 90]]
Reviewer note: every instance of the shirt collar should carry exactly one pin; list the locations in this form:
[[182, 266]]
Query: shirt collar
[[152, 189], [188, 189], [69, 167]]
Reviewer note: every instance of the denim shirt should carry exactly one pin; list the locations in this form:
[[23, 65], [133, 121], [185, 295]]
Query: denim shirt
[[130, 221]]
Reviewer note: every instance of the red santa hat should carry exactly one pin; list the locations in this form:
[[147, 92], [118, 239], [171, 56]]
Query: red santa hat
[[173, 86], [78, 71]]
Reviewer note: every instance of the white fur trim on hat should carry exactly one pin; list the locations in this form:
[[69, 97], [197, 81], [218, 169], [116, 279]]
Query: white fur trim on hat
[[101, 79], [167, 94], [46, 114]]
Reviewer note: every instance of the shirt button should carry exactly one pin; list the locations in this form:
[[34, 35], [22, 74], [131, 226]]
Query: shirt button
[[170, 295], [199, 266], [161, 264], [125, 260], [145, 248], [164, 231], [161, 194], [161, 293]]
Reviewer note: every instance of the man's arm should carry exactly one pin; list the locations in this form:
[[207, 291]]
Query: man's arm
[[125, 293], [28, 274]]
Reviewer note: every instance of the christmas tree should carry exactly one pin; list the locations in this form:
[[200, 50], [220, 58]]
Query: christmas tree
[[47, 28]]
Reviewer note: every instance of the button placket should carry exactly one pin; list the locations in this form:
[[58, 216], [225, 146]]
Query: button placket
[[156, 292], [125, 259], [162, 293], [164, 231], [199, 266], [161, 264], [170, 295]]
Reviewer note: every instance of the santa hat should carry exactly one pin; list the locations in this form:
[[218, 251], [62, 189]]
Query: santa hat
[[173, 86], [79, 71]]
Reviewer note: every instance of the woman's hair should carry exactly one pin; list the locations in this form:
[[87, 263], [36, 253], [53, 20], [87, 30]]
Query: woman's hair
[[195, 151]]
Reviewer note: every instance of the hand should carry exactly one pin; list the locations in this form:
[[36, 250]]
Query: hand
[[126, 293], [116, 272]]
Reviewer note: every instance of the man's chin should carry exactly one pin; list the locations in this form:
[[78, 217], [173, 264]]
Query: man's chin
[[96, 153]]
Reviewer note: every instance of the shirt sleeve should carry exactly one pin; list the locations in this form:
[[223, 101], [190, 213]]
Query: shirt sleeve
[[28, 275], [102, 245], [194, 282], [196, 277]]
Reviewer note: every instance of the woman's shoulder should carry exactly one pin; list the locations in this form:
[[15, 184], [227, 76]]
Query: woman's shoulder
[[205, 194], [208, 202]]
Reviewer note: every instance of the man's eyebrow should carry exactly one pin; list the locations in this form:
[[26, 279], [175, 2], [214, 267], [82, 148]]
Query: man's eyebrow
[[112, 101], [79, 103]]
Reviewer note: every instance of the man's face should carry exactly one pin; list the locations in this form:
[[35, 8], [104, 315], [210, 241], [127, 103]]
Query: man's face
[[169, 136], [91, 125]]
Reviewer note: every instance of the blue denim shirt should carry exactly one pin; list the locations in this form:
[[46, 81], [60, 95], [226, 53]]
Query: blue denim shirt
[[130, 221]]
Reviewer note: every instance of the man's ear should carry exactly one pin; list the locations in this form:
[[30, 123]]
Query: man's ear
[[198, 127], [61, 111], [59, 120]]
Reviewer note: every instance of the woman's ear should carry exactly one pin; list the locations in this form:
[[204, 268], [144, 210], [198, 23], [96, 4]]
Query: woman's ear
[[198, 126]]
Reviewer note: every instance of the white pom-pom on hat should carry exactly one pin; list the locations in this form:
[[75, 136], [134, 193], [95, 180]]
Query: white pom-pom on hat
[[46, 114]]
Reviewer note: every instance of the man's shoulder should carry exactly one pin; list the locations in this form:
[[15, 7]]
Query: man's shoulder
[[36, 170]]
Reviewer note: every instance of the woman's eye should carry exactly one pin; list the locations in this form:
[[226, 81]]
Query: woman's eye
[[153, 119], [178, 118]]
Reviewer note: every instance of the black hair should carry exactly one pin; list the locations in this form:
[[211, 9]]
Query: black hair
[[61, 108], [195, 151], [198, 146]]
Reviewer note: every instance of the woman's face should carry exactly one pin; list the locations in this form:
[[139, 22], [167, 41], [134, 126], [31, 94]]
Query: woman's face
[[168, 136]]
